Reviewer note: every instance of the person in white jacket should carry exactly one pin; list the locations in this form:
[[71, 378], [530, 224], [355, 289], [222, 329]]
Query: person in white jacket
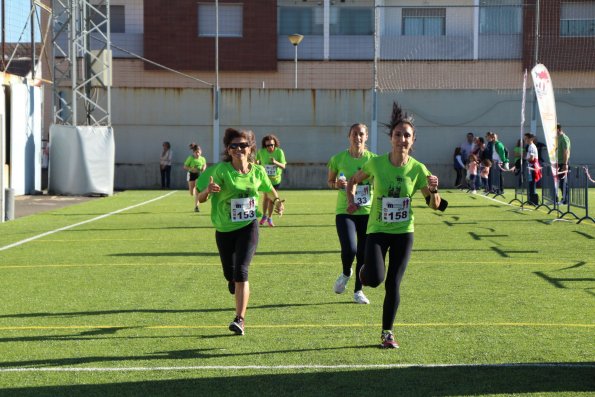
[[165, 165]]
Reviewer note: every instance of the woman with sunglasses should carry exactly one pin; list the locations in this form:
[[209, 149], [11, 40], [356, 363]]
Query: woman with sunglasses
[[351, 227], [396, 177], [272, 158], [233, 186]]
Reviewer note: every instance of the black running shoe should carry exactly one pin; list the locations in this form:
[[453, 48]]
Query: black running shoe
[[237, 326]]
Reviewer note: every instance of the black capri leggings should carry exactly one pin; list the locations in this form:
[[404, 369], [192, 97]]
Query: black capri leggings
[[236, 250], [372, 273], [352, 237]]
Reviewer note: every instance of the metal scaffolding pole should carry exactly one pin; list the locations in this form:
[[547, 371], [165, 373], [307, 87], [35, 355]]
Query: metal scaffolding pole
[[82, 62]]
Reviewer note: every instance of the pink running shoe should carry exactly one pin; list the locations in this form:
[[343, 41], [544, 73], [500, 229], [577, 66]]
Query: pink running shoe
[[262, 220], [388, 340]]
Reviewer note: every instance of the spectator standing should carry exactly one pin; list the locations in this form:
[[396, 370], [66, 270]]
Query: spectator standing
[[165, 165], [484, 172], [563, 154], [480, 147], [499, 157], [532, 167], [479, 152], [541, 152], [459, 166], [500, 153], [472, 170], [467, 147], [489, 154]]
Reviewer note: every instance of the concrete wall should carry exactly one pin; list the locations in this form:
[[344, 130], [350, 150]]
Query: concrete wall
[[312, 125]]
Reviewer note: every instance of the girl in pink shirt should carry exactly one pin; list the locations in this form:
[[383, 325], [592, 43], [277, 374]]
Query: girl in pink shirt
[[472, 166]]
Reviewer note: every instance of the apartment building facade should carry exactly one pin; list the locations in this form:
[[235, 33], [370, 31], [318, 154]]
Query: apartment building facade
[[457, 64]]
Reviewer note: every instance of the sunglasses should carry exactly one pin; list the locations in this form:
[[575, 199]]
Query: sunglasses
[[270, 145], [242, 145]]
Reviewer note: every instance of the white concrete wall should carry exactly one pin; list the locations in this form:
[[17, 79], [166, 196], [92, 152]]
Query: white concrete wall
[[312, 125]]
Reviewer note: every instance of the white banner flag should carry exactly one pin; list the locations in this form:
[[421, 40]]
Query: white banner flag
[[544, 90]]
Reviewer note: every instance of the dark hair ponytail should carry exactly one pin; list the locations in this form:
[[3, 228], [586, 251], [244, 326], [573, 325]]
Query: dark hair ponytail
[[398, 116]]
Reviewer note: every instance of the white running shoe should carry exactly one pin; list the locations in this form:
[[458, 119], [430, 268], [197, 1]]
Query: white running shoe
[[341, 282], [359, 297]]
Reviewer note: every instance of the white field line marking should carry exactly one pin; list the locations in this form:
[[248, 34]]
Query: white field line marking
[[294, 367], [493, 199], [27, 240], [280, 326]]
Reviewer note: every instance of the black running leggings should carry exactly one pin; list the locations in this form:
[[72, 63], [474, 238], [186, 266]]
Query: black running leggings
[[377, 245], [352, 236], [236, 250]]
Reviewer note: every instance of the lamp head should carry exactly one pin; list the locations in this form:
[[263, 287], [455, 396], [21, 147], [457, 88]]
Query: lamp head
[[295, 39]]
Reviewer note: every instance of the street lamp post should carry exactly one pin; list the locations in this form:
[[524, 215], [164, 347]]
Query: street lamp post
[[295, 39]]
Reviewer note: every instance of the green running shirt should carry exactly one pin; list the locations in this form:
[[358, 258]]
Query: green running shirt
[[264, 157], [192, 162], [348, 165], [393, 182], [236, 205]]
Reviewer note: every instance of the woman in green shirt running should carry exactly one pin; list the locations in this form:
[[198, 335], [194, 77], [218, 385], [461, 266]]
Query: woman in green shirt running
[[351, 227], [272, 158], [233, 186], [194, 165], [396, 177]]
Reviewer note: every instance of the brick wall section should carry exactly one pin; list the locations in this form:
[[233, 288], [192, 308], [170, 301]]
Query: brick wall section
[[171, 37], [555, 52]]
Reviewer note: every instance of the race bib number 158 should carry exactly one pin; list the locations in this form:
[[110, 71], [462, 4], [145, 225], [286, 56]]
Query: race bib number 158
[[395, 209]]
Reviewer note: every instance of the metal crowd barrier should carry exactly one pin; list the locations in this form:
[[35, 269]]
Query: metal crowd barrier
[[549, 196], [577, 193], [521, 188], [577, 190]]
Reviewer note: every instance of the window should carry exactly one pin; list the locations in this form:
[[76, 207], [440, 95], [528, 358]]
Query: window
[[577, 19], [500, 19], [117, 18], [231, 21], [353, 21], [298, 20], [424, 21]]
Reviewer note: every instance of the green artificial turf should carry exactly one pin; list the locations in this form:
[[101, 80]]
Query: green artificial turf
[[496, 301]]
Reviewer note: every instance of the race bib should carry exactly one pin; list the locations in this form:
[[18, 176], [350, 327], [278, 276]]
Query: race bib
[[362, 195], [395, 209], [271, 169], [243, 209]]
